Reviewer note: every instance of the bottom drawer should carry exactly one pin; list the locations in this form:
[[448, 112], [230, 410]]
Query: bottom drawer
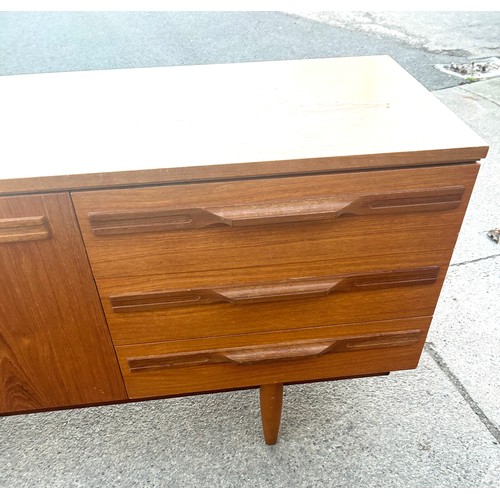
[[181, 367]]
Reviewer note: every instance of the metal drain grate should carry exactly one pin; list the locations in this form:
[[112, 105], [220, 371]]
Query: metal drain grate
[[473, 70]]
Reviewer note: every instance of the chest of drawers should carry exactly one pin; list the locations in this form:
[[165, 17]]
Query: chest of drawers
[[171, 231]]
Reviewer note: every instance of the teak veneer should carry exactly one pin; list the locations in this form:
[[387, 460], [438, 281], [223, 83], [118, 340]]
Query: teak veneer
[[169, 231]]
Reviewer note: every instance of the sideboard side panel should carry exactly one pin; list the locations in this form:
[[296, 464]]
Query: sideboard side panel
[[55, 349]]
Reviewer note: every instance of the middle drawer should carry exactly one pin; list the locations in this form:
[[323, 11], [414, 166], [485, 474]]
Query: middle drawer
[[265, 306]]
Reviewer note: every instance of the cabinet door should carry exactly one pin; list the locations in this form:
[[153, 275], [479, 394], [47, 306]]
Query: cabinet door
[[55, 349]]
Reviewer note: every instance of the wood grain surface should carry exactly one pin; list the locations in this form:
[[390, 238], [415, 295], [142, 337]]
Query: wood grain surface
[[277, 291], [200, 377], [55, 348], [216, 320], [271, 403], [276, 212], [187, 123], [284, 351], [24, 229], [217, 248]]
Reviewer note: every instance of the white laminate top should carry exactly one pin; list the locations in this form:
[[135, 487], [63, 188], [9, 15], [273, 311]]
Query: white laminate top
[[117, 127]]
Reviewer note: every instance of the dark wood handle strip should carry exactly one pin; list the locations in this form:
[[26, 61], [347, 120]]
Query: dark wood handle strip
[[275, 212], [24, 229], [270, 292], [286, 351], [302, 288], [283, 352], [433, 199], [388, 279]]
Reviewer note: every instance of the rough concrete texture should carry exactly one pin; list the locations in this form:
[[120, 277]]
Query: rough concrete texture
[[466, 331], [436, 426], [411, 429], [469, 34], [478, 104]]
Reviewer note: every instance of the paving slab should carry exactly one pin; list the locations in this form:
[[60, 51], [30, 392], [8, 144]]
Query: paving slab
[[477, 105], [466, 331], [410, 429], [489, 89]]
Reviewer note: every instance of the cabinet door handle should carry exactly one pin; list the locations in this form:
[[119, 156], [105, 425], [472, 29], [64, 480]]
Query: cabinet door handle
[[276, 212], [302, 288], [24, 229], [285, 351]]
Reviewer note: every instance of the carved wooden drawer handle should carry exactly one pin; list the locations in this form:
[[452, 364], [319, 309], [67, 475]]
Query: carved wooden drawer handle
[[24, 229], [301, 288], [275, 212], [286, 351]]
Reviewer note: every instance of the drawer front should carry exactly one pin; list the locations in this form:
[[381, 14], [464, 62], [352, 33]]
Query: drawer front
[[181, 230], [170, 368], [310, 302]]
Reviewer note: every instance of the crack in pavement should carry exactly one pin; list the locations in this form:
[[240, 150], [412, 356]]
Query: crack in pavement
[[492, 428], [480, 95], [475, 260]]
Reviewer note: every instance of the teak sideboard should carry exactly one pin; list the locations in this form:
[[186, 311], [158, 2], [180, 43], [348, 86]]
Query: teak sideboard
[[170, 231]]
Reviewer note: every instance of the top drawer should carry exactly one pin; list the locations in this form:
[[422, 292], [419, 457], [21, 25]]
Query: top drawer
[[232, 228]]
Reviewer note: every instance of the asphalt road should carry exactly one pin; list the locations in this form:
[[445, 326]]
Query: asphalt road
[[34, 42]]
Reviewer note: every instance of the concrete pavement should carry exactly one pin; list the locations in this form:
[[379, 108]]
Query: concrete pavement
[[437, 426], [466, 34], [466, 330]]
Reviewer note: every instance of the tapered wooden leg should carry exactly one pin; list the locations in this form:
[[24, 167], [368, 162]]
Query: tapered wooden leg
[[271, 403]]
